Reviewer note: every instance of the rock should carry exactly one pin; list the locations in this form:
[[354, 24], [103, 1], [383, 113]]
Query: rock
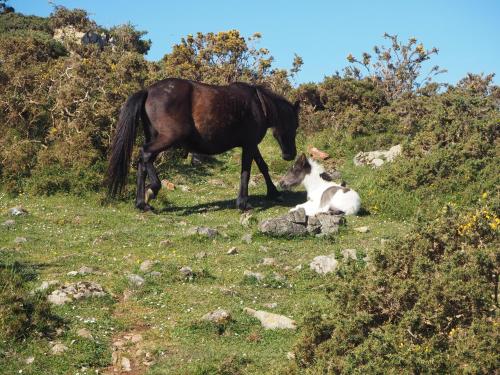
[[297, 223], [256, 275], [201, 255], [29, 360], [271, 305], [269, 262], [135, 338], [362, 229], [271, 320], [20, 240], [17, 211], [377, 158], [290, 355], [324, 264], [318, 154], [247, 219], [72, 273], [85, 333], [58, 348], [218, 316], [146, 265], [9, 223], [186, 271], [184, 188], [76, 291], [84, 270], [125, 364], [135, 280], [155, 274], [247, 238], [349, 254], [203, 231], [232, 251], [164, 243], [46, 285]]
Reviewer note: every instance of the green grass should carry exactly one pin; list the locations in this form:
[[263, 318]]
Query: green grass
[[67, 232]]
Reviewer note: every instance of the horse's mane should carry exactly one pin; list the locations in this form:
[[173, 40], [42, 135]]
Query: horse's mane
[[275, 107]]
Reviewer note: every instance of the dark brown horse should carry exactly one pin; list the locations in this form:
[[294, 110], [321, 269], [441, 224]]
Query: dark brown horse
[[204, 119]]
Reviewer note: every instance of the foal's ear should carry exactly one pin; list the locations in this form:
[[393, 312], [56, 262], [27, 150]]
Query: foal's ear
[[296, 105], [302, 159]]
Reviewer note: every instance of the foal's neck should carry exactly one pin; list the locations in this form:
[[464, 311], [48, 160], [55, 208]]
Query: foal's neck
[[313, 180]]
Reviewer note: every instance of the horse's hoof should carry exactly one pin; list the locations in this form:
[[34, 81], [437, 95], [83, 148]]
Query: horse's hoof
[[144, 207], [243, 205]]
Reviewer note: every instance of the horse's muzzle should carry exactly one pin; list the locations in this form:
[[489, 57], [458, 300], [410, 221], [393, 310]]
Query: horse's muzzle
[[288, 157]]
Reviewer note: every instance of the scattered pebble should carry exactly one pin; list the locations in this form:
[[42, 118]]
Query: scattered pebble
[[269, 262], [201, 255], [29, 360], [58, 348], [203, 231], [232, 251], [257, 275], [135, 280], [155, 274], [85, 333], [272, 305], [9, 223], [247, 238], [362, 229], [146, 265], [324, 264], [72, 273], [186, 271], [246, 219], [20, 240], [218, 316], [271, 320], [125, 364], [76, 291], [290, 355], [349, 254], [165, 243], [17, 211]]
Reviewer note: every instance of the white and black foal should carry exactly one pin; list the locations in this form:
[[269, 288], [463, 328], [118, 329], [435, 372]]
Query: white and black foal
[[323, 195]]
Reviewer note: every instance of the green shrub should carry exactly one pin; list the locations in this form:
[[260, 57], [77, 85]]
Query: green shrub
[[425, 304]]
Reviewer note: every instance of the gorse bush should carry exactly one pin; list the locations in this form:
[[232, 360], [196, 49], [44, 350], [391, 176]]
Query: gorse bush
[[426, 303]]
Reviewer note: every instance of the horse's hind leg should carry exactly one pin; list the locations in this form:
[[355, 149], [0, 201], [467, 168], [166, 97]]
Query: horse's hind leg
[[272, 192], [141, 180]]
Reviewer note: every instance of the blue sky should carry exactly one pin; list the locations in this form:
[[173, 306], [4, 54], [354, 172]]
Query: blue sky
[[467, 33]]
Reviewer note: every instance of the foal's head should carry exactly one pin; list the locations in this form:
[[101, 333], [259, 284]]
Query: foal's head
[[296, 174]]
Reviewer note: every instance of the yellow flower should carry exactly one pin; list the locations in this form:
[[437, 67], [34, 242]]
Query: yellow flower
[[485, 195]]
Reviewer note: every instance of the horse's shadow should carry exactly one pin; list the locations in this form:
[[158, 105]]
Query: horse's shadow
[[257, 202]]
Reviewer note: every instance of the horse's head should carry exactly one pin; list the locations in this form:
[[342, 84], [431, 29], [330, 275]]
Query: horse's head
[[296, 174], [285, 129]]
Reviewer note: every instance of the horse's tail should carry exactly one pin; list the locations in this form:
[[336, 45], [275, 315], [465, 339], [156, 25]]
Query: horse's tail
[[123, 142]]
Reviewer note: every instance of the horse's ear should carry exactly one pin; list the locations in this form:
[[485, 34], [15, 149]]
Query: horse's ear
[[296, 105]]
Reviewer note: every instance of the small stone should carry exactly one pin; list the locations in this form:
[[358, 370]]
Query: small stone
[[324, 264], [29, 360], [9, 223], [85, 270], [250, 274], [155, 274], [218, 316], [20, 240], [362, 229], [184, 188], [125, 364], [146, 265], [290, 356], [17, 211], [272, 305], [349, 254], [58, 348], [232, 251], [186, 271], [72, 273], [46, 285], [58, 297], [264, 249], [135, 280], [376, 163], [201, 255], [165, 243], [203, 231], [269, 262], [247, 238], [271, 320], [85, 333], [136, 337], [246, 219], [298, 268]]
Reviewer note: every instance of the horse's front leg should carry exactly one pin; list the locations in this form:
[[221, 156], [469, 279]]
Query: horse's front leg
[[272, 192], [246, 164]]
